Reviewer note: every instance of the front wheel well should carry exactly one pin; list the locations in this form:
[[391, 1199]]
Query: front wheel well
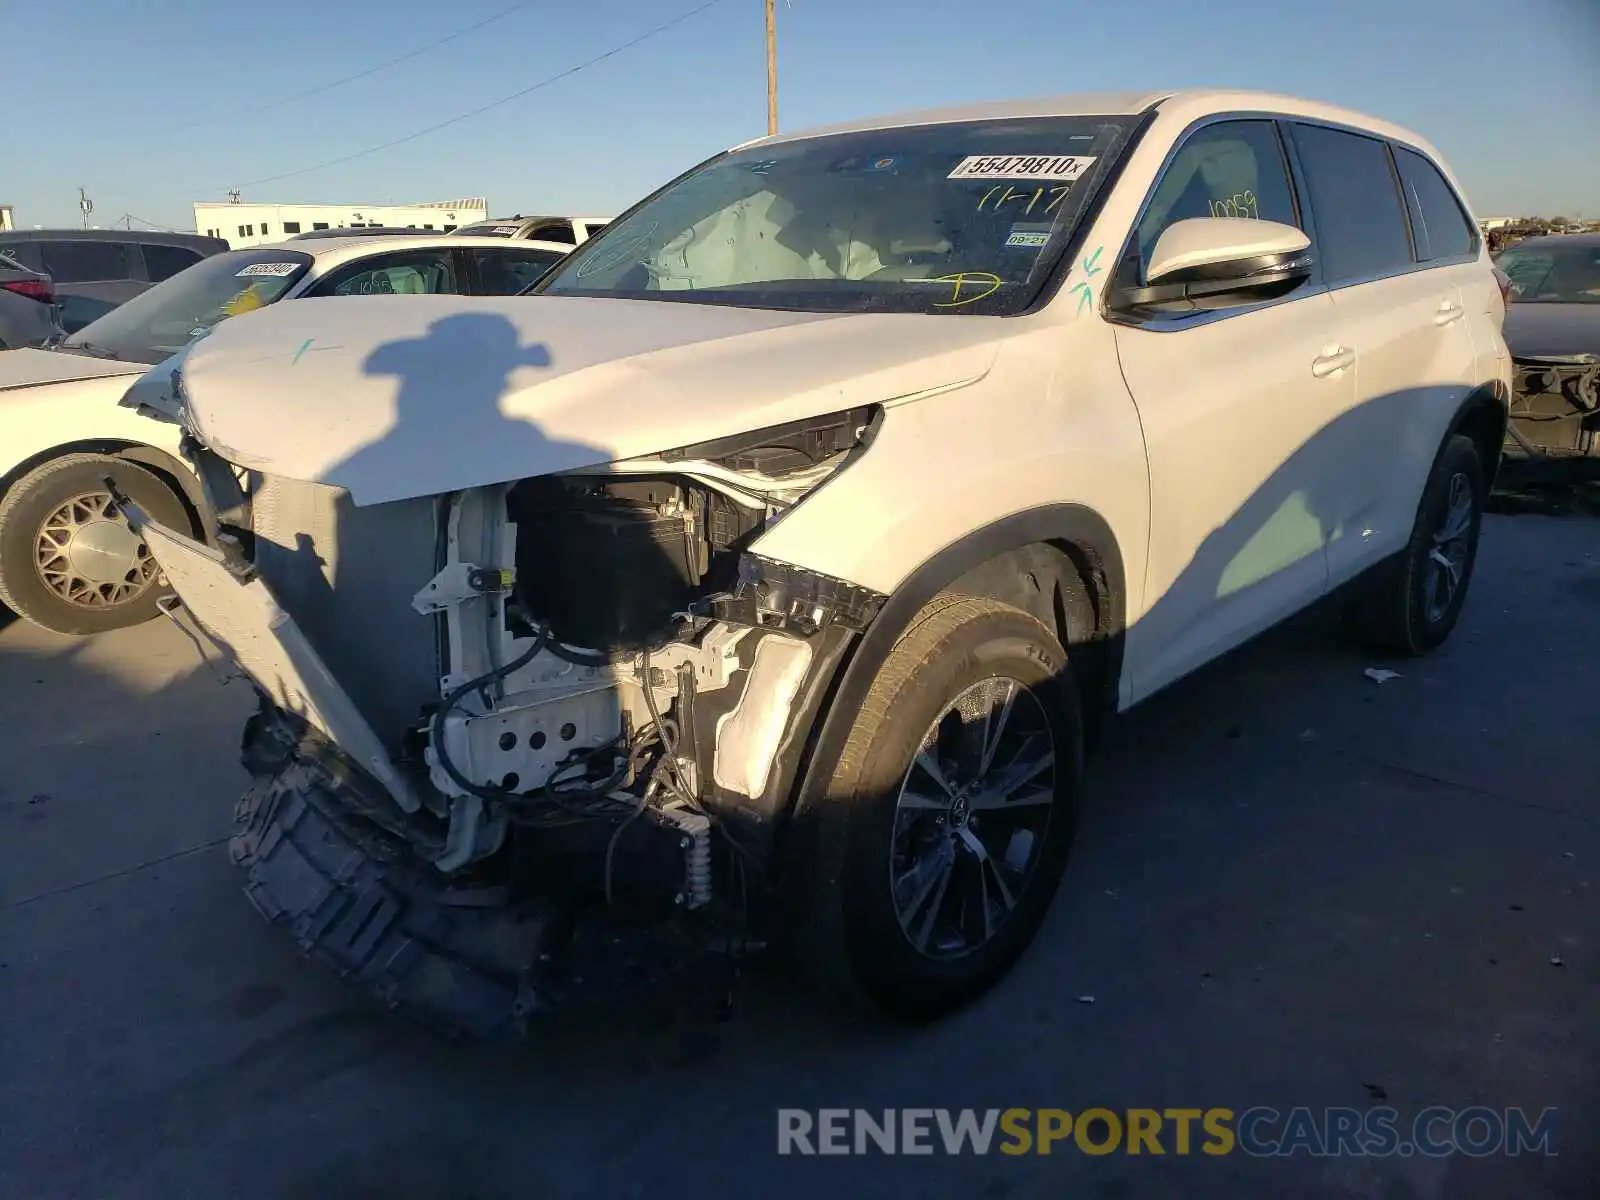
[[1066, 585], [159, 463]]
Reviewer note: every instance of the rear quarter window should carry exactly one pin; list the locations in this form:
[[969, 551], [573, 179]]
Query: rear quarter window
[[26, 253], [163, 262], [1438, 222], [1360, 224]]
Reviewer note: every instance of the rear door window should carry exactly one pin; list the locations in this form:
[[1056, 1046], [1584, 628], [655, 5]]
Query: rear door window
[[1438, 223], [1361, 226], [558, 231], [87, 261], [1230, 169], [163, 262], [509, 271]]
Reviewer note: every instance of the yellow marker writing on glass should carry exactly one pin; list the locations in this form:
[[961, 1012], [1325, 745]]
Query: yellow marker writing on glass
[[984, 284]]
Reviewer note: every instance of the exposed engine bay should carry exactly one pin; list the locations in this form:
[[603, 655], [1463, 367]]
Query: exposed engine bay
[[580, 685], [1555, 410]]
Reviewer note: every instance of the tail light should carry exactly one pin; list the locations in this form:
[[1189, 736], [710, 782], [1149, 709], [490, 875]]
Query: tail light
[[42, 290]]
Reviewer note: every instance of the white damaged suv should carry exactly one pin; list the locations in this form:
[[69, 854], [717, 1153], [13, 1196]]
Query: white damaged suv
[[762, 575]]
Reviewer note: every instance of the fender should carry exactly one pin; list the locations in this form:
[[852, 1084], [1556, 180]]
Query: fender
[[1483, 416], [1055, 523], [171, 470]]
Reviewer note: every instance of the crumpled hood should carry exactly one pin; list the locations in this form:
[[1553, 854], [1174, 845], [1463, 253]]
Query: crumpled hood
[[1548, 330], [32, 368], [399, 396]]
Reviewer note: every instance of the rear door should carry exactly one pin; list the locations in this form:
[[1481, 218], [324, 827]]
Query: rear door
[[1447, 237], [1405, 322], [1234, 403]]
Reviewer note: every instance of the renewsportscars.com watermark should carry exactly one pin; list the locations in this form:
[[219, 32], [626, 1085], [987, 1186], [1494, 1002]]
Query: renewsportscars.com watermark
[[1434, 1132]]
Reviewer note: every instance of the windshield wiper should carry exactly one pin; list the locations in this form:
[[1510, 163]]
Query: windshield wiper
[[89, 348]]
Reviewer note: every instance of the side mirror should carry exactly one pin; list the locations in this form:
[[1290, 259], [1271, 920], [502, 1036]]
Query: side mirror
[[1218, 262]]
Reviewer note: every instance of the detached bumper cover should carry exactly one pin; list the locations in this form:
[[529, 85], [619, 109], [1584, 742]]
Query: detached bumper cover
[[242, 617]]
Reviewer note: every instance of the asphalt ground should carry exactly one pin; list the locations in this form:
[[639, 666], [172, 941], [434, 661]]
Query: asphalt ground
[[1293, 886]]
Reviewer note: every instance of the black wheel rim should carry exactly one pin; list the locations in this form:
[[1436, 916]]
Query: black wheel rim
[[971, 818], [1451, 547]]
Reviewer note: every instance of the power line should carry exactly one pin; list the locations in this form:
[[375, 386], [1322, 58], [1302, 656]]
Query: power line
[[479, 111], [323, 88], [131, 217]]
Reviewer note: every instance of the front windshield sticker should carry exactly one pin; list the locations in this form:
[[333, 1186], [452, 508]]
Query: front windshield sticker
[[248, 300], [1028, 235], [1022, 166], [277, 270]]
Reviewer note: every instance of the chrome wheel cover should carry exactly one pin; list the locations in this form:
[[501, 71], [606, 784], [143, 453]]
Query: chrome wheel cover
[[87, 555]]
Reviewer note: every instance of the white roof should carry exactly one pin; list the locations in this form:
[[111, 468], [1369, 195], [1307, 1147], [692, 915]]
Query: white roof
[[1192, 103]]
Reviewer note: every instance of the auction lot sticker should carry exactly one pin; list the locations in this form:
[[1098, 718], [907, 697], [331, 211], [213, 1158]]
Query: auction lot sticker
[[1022, 166], [276, 270]]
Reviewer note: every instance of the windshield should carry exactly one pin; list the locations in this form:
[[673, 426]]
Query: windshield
[[1553, 274], [166, 318], [959, 218]]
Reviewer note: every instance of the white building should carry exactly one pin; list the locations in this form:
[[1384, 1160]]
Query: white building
[[7, 219], [257, 224]]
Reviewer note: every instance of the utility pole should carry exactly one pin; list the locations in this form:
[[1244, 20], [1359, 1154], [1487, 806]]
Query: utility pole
[[772, 68]]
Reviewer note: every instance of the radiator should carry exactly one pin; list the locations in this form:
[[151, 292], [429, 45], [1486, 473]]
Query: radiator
[[347, 576]]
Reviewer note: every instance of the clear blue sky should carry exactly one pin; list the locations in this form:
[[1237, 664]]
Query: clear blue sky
[[154, 105]]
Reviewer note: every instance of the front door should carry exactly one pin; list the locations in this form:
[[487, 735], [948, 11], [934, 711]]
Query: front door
[[1235, 405]]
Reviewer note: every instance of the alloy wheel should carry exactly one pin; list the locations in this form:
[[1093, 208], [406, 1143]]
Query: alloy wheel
[[1447, 557], [971, 818]]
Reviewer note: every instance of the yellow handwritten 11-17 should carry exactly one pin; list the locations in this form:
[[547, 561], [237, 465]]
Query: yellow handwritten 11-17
[[1001, 195]]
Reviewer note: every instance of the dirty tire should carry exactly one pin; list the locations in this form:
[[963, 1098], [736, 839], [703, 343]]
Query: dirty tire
[[354, 900], [1390, 613], [33, 498], [843, 925]]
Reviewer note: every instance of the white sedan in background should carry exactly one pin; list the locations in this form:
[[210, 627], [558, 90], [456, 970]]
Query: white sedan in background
[[67, 561]]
